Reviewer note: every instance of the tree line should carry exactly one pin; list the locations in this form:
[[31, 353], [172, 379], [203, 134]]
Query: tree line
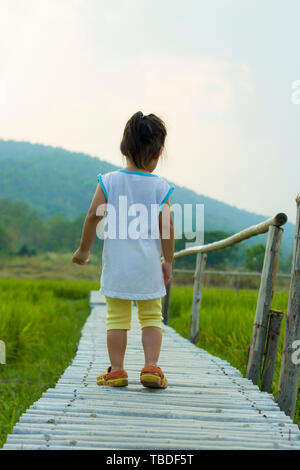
[[24, 233]]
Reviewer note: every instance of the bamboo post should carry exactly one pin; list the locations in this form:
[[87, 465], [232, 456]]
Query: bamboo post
[[197, 296], [238, 284], [264, 301], [271, 349], [166, 307], [290, 370]]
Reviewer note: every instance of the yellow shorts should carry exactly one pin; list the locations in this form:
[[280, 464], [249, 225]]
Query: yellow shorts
[[119, 313]]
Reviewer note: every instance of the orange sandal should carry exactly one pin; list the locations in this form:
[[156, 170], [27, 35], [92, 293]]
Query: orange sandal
[[118, 378], [153, 377]]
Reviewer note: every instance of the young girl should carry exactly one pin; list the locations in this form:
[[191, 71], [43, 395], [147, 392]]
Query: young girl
[[131, 259]]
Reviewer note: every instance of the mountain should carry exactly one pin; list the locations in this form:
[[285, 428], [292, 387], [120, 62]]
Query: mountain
[[53, 180]]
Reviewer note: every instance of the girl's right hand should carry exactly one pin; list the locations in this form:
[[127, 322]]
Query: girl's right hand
[[80, 257], [167, 271]]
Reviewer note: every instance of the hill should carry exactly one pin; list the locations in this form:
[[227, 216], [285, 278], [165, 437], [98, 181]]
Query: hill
[[53, 180]]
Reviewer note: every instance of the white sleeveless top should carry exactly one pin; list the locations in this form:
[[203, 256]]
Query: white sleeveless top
[[131, 258]]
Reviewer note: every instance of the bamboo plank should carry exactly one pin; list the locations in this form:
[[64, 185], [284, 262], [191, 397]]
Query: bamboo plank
[[216, 408]]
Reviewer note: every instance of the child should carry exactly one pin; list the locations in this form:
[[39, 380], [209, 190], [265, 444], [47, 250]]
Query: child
[[131, 260]]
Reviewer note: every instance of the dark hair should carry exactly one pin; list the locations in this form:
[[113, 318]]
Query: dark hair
[[143, 138]]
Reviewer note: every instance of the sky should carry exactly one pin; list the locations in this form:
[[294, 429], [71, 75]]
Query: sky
[[224, 75]]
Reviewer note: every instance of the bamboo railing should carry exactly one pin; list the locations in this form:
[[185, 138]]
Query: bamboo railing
[[266, 329]]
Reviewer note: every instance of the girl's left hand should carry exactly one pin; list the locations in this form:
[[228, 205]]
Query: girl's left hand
[[167, 272], [81, 257]]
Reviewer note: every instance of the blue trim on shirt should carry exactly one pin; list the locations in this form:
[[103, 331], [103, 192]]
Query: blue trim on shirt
[[137, 173], [166, 198], [99, 179]]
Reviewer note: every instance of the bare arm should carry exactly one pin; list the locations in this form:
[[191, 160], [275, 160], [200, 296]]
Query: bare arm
[[166, 228], [89, 227]]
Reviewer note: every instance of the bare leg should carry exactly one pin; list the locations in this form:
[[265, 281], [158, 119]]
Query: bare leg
[[116, 344], [151, 339]]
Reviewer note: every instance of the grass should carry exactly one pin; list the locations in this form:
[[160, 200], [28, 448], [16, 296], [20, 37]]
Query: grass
[[49, 266], [41, 323], [229, 281], [58, 266], [226, 322]]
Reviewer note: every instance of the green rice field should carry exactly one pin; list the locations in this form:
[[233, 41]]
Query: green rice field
[[40, 322]]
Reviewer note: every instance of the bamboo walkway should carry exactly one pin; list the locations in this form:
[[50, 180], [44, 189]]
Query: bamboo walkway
[[208, 404]]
